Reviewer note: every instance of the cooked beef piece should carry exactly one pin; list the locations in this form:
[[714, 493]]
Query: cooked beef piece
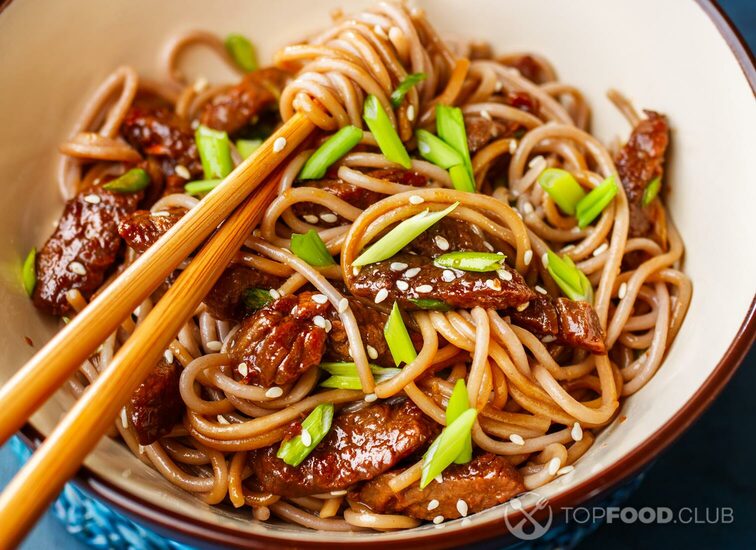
[[281, 341], [523, 101], [639, 162], [141, 229], [156, 405], [226, 299], [399, 175], [423, 280], [484, 482], [371, 322], [528, 67], [359, 446], [236, 108], [82, 249], [482, 131], [452, 235], [571, 322]]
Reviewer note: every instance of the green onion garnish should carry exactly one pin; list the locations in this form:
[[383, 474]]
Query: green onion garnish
[[335, 147], [345, 377], [311, 248], [200, 187], [242, 52], [29, 272], [433, 149], [247, 146], [256, 298], [447, 446], [651, 190], [461, 178], [471, 261], [399, 237], [384, 133], [431, 304], [398, 339], [215, 152], [590, 206], [450, 126], [314, 429], [132, 181], [570, 279], [562, 187], [397, 96], [459, 403]]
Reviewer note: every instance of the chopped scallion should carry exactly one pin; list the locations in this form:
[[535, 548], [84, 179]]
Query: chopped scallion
[[200, 187], [562, 187], [247, 146], [335, 147], [384, 133], [459, 403], [471, 261], [256, 298], [590, 206], [461, 178], [430, 304], [401, 235], [215, 152], [29, 272], [344, 376], [397, 96], [398, 339], [434, 149], [651, 190], [242, 52], [133, 181], [311, 248], [447, 446], [317, 424], [450, 126], [570, 279]]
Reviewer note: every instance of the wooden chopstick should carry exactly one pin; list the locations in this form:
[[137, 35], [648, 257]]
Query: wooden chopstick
[[36, 381]]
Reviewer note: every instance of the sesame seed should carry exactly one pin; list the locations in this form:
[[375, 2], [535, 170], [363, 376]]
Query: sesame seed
[[328, 217], [424, 289], [92, 199], [381, 295], [535, 161], [485, 114], [441, 242], [160, 214], [577, 431], [601, 249], [222, 419], [243, 369], [182, 171], [77, 268], [319, 321], [402, 285], [168, 356], [369, 398], [200, 84], [504, 275], [279, 145], [517, 439], [488, 245], [309, 218], [439, 478], [565, 470], [512, 146], [545, 259], [499, 86], [274, 392], [433, 504], [214, 345], [124, 418], [476, 230], [343, 305], [622, 292], [274, 294], [306, 437], [412, 272], [195, 124], [356, 270], [319, 298], [398, 266], [448, 276], [294, 310], [328, 325], [424, 147], [416, 199], [493, 284], [528, 257], [553, 466], [438, 519], [528, 208], [540, 290], [372, 352], [462, 508], [548, 339], [411, 113], [575, 229], [523, 307]]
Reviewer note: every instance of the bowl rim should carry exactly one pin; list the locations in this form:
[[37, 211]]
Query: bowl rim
[[175, 524]]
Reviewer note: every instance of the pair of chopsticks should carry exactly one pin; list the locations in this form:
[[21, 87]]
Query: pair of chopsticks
[[30, 492]]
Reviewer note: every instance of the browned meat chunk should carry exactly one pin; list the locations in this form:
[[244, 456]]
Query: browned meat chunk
[[156, 405], [528, 67], [82, 249], [639, 162], [371, 323], [226, 299], [482, 483], [423, 280], [142, 229], [482, 131], [281, 341], [448, 235], [359, 446], [234, 109]]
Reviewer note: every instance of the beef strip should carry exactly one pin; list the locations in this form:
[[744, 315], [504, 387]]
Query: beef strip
[[226, 299], [87, 233], [359, 446], [639, 162], [156, 405], [482, 131], [484, 482], [570, 322], [528, 67], [141, 229], [236, 108], [371, 322], [448, 235]]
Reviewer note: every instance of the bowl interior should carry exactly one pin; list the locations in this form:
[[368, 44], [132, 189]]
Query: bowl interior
[[55, 54]]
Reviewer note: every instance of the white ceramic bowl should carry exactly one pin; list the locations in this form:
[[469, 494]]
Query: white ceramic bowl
[[678, 57]]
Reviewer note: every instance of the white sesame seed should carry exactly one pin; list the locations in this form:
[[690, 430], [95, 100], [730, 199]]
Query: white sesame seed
[[319, 298], [222, 419], [441, 242], [528, 208], [369, 398], [565, 470], [124, 418], [214, 345], [274, 294], [485, 114], [448, 275], [402, 285], [493, 284], [439, 478], [433, 504], [343, 305], [411, 113], [168, 356], [398, 266], [438, 519], [535, 161], [577, 431], [528, 256], [545, 259], [553, 466], [319, 321], [306, 437], [523, 307], [512, 146], [601, 249], [195, 124], [160, 214], [309, 218], [92, 199], [517, 439], [540, 290], [338, 493], [622, 292], [182, 171], [328, 217], [423, 289], [294, 310], [488, 245], [416, 199], [476, 230], [372, 352], [77, 268], [499, 86], [462, 508], [328, 325], [424, 147], [504, 275], [243, 369], [548, 339], [356, 270], [279, 145], [274, 392], [411, 272], [381, 295]]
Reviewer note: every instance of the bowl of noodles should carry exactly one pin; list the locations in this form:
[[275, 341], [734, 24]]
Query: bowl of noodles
[[502, 273]]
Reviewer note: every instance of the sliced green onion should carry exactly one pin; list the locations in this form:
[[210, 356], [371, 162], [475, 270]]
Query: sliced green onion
[[311, 248], [651, 190], [590, 206], [397, 96], [461, 178], [384, 133], [430, 304], [200, 187], [317, 424], [562, 187], [570, 279], [400, 236], [335, 147], [247, 146], [459, 403], [345, 376], [215, 152], [241, 51], [471, 261], [447, 446], [434, 149], [450, 126], [256, 298], [29, 272], [398, 339], [133, 181]]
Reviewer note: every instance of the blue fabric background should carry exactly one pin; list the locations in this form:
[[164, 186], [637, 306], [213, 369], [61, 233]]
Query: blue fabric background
[[711, 465]]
